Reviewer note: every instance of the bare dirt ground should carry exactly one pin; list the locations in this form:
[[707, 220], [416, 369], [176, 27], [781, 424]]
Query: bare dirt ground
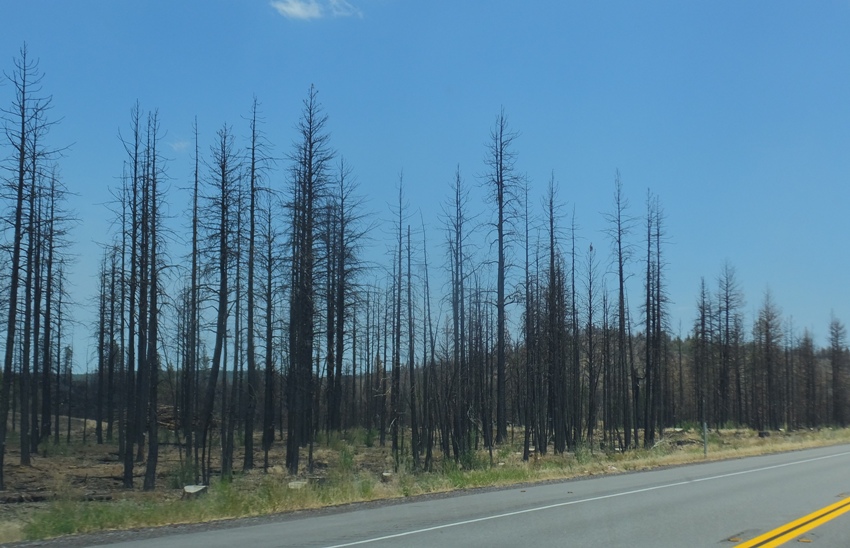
[[86, 471]]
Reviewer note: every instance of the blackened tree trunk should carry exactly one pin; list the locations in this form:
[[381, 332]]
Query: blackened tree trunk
[[807, 356], [189, 383], [501, 182], [113, 349], [59, 317], [556, 334], [142, 386], [593, 368], [258, 161], [457, 413], [619, 230], [730, 301], [131, 225], [837, 353], [411, 364], [659, 319], [269, 377], [395, 390], [429, 364], [38, 198], [577, 388], [50, 249], [224, 180], [528, 334], [232, 402], [29, 281], [101, 354], [24, 120], [152, 358], [702, 338], [310, 159], [653, 322]]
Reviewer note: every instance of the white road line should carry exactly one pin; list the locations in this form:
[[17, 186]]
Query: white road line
[[580, 501]]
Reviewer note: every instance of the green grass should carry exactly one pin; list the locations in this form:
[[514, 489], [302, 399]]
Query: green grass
[[225, 500]]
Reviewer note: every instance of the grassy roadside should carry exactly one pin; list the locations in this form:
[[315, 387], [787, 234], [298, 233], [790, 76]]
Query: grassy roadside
[[350, 472]]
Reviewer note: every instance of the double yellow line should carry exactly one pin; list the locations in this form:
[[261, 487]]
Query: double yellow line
[[791, 530]]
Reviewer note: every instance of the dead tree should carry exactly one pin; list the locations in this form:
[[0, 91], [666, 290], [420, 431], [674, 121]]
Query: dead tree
[[25, 126], [501, 181], [310, 158], [224, 174], [619, 229]]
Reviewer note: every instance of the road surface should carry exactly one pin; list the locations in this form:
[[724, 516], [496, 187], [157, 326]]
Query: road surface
[[726, 503]]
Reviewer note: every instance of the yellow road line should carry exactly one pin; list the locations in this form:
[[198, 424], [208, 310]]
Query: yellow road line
[[793, 529]]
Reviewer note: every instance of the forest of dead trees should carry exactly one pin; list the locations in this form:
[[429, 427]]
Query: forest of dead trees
[[264, 318]]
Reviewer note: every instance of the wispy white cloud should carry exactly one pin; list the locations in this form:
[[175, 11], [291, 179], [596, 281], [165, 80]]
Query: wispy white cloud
[[315, 9], [298, 9], [344, 8], [179, 146]]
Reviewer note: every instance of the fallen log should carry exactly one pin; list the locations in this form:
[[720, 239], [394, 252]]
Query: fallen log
[[20, 498]]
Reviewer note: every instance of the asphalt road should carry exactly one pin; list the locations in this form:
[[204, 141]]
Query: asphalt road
[[697, 505]]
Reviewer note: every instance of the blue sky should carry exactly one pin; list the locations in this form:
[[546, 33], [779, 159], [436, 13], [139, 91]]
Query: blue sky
[[736, 114]]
